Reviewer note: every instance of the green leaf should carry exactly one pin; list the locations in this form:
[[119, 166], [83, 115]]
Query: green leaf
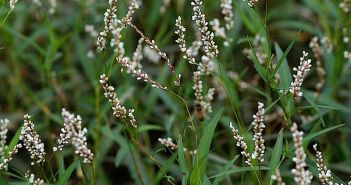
[[84, 174], [63, 180], [203, 150], [181, 160], [14, 141], [242, 169], [3, 181], [258, 66], [283, 57], [225, 168], [311, 101], [120, 155], [147, 127], [309, 137], [275, 158]]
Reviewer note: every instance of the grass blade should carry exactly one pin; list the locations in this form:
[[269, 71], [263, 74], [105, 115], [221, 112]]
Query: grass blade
[[68, 173], [225, 168], [181, 160], [275, 158], [203, 149], [283, 57], [311, 101], [309, 137], [242, 169]]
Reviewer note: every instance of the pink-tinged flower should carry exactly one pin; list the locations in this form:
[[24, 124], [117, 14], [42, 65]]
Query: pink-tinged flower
[[258, 128], [301, 71], [302, 176], [32, 141]]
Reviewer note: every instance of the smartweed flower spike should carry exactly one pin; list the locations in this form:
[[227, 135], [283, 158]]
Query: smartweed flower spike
[[207, 36], [31, 178], [324, 173], [181, 41], [168, 142], [318, 52], [301, 71], [32, 142], [241, 143], [3, 136], [12, 4], [118, 110], [301, 175], [73, 130], [258, 128], [278, 177], [251, 3], [227, 11], [198, 87], [3, 146], [110, 15]]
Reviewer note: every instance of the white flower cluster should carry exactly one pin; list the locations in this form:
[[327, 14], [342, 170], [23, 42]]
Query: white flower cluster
[[207, 106], [109, 16], [168, 142], [74, 132], [12, 4], [346, 39], [181, 41], [31, 178], [118, 110], [347, 55], [53, 5], [3, 146], [324, 173], [345, 5], [251, 3], [198, 87], [258, 128], [227, 11], [151, 54], [3, 136], [207, 65], [318, 51], [277, 176], [91, 30], [219, 31], [207, 36], [32, 141], [328, 43], [241, 143], [301, 71], [302, 176], [137, 55]]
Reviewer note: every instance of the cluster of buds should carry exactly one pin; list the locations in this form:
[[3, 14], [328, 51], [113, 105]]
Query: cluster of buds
[[118, 109], [219, 31], [345, 6], [3, 146], [12, 4], [241, 143], [227, 11], [181, 41], [278, 177], [110, 16], [302, 176], [318, 51], [324, 173], [251, 3], [168, 142], [258, 128], [31, 179], [32, 141], [73, 131], [207, 36], [305, 65]]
